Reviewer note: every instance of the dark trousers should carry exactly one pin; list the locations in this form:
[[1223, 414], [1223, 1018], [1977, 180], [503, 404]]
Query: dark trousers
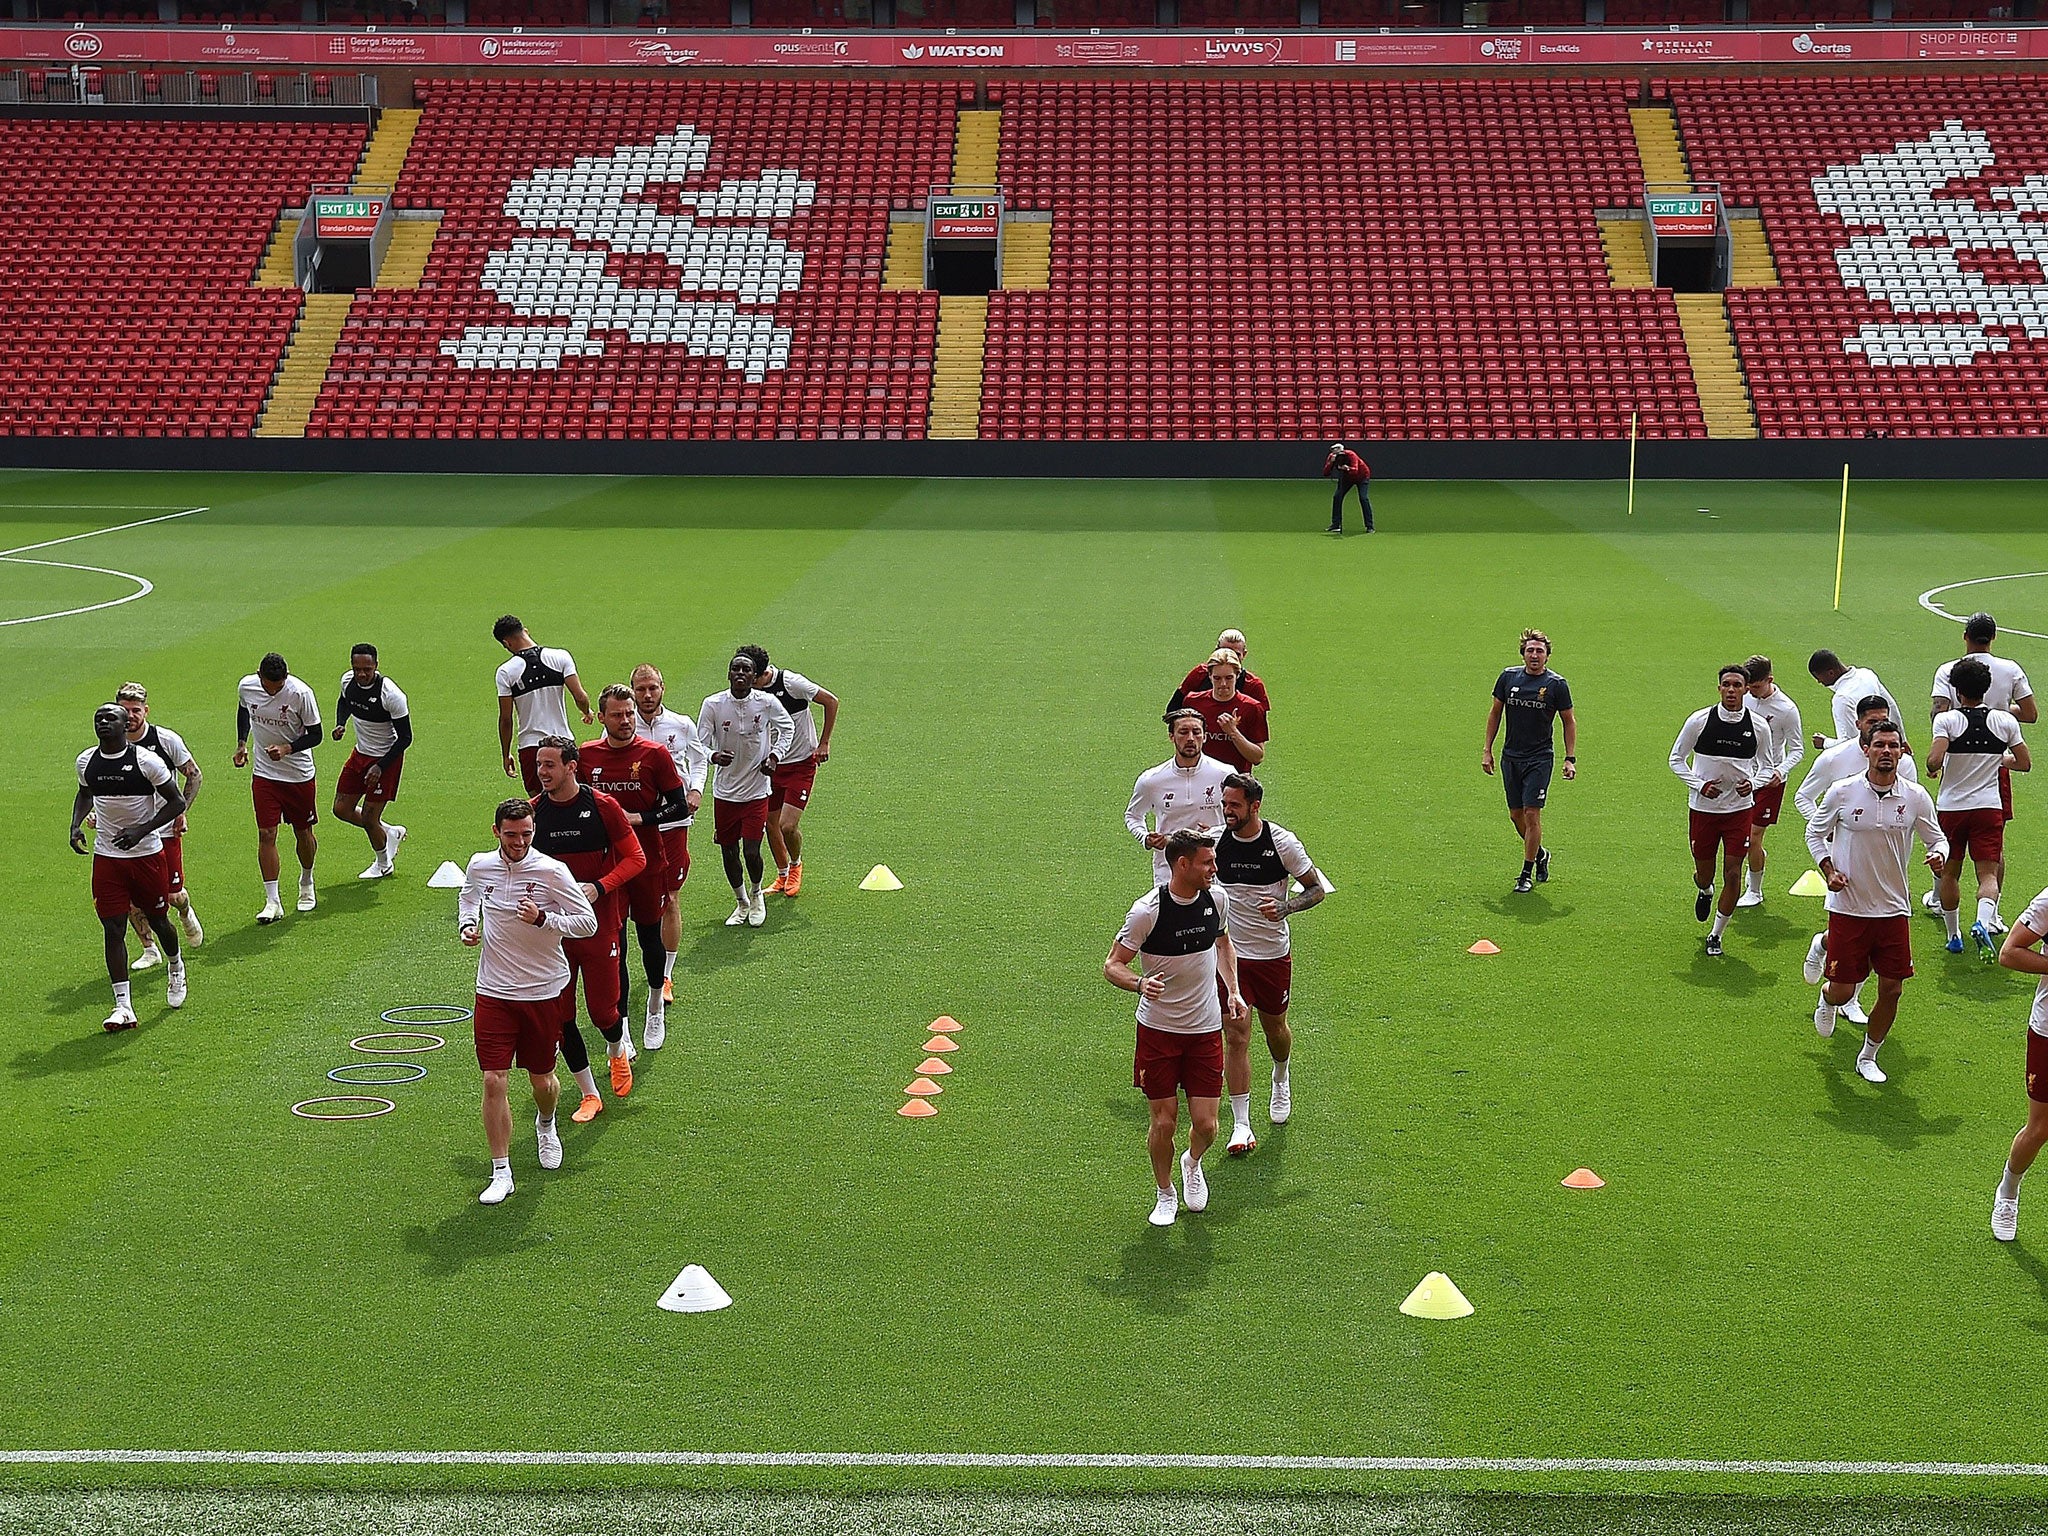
[[1344, 488]]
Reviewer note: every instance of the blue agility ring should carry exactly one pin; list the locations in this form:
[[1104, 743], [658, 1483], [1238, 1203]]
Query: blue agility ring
[[413, 1013], [338, 1074], [364, 1043], [302, 1108]]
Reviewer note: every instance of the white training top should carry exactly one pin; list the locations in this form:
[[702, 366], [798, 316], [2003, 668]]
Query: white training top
[[1788, 733], [541, 710], [1247, 875], [522, 962], [2008, 682], [1189, 1005], [1176, 797], [1854, 684], [2036, 918], [1844, 760], [376, 737], [752, 729], [798, 691], [170, 745], [678, 733], [1709, 767], [117, 813], [1969, 780], [1869, 835], [280, 719]]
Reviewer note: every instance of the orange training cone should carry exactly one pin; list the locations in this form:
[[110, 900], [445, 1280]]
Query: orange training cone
[[923, 1088], [917, 1109], [945, 1024], [938, 1045], [1484, 947], [931, 1066], [1584, 1178]]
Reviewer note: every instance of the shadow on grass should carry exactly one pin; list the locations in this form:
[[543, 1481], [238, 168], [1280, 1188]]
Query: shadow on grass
[[1535, 907], [1730, 974], [1163, 1270], [2037, 1272], [475, 1231], [86, 1049], [1884, 1112]]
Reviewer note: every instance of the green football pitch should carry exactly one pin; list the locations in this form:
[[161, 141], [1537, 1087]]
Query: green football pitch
[[1786, 1288]]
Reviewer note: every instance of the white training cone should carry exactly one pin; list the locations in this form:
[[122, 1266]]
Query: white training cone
[[447, 878], [694, 1291]]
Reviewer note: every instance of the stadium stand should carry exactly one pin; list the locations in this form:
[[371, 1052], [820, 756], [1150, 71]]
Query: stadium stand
[[851, 360], [126, 264], [968, 15], [1827, 359], [1400, 259]]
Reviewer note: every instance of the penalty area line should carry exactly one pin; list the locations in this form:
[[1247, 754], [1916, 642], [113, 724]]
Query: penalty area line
[[143, 586], [93, 533], [1640, 1466], [1927, 600]]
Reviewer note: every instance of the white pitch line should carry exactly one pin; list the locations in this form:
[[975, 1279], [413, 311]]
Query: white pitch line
[[143, 587], [96, 532], [1927, 601], [1054, 1461]]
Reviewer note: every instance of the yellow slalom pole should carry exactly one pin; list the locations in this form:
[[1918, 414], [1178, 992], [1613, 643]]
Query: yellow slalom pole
[[1631, 463], [1842, 539]]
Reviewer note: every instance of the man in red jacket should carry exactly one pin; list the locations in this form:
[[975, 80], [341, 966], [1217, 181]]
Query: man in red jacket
[[1350, 471]]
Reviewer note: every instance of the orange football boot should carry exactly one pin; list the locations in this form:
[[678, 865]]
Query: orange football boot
[[622, 1076], [781, 884], [591, 1107], [794, 880]]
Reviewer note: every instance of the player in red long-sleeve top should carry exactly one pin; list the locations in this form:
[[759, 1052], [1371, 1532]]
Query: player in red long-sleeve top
[[1351, 472], [588, 831]]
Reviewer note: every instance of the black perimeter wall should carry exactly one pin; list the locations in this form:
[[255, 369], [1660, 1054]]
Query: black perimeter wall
[[1778, 459]]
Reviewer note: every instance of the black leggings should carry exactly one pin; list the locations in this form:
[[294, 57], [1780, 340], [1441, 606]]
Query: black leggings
[[653, 960]]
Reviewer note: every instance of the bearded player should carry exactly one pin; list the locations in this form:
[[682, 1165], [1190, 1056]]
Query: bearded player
[[642, 777], [1256, 861], [587, 831], [369, 779], [678, 733], [129, 795], [170, 746]]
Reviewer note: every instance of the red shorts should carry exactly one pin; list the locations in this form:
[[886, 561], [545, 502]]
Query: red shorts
[[2005, 792], [350, 785], [278, 801], [675, 853], [2037, 1067], [526, 1033], [174, 861], [1770, 804], [121, 886], [1723, 829], [529, 775], [646, 896], [734, 821], [1166, 1062], [1978, 834], [790, 783], [1265, 983], [596, 960], [1859, 945]]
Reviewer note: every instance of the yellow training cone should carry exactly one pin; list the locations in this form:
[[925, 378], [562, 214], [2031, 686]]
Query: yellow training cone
[[1810, 884], [881, 878], [1436, 1297]]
